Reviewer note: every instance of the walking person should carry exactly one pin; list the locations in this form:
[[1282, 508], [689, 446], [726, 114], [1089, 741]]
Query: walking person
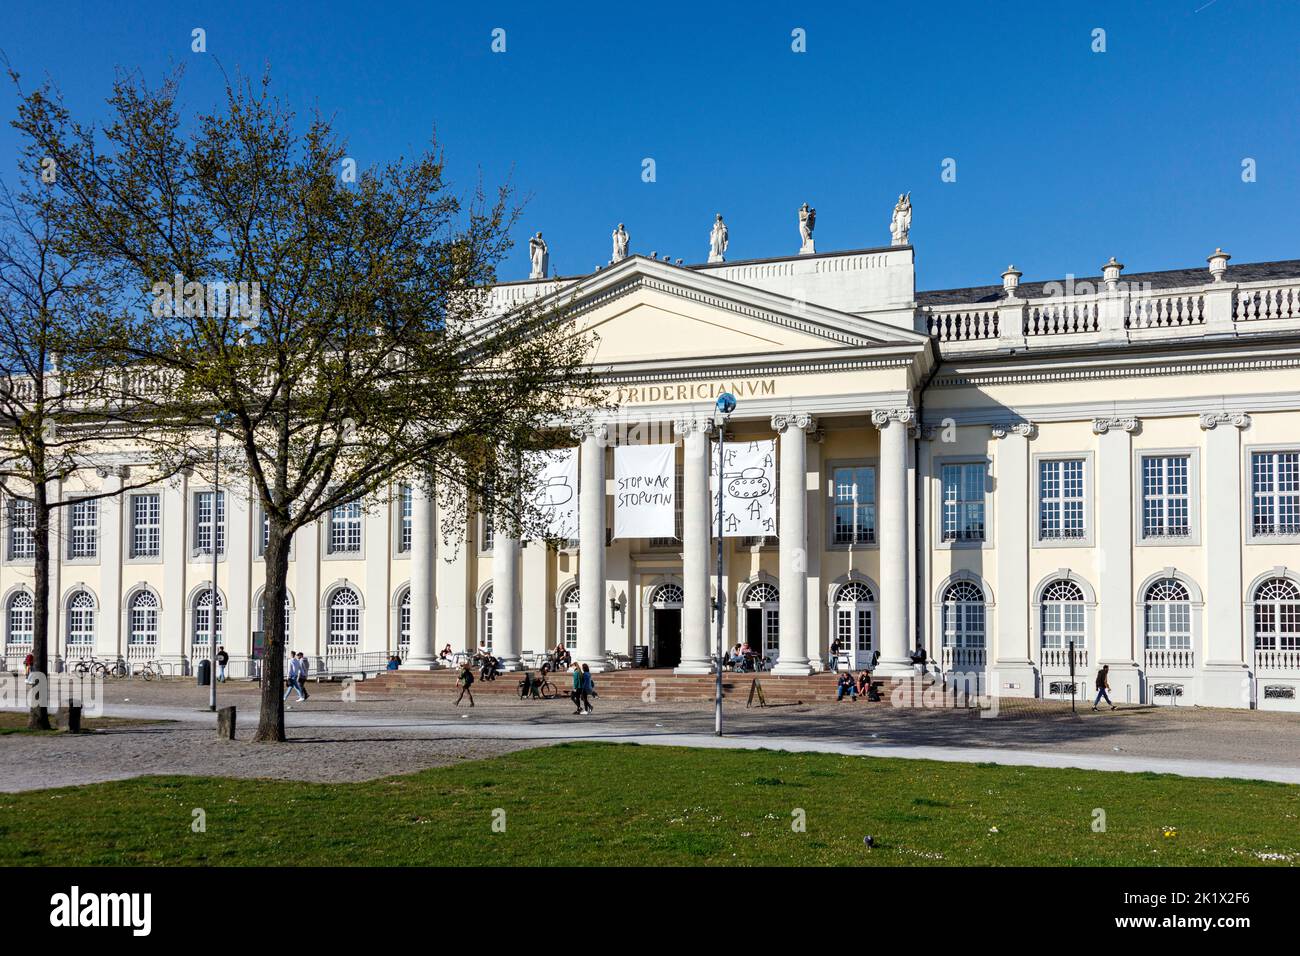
[[293, 679], [1103, 686], [588, 687], [465, 679], [303, 669], [835, 655], [222, 660], [576, 696], [28, 663]]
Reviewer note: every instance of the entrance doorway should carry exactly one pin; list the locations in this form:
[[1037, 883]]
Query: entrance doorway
[[668, 636]]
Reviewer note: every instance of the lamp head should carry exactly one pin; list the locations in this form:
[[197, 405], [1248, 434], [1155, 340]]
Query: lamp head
[[726, 403]]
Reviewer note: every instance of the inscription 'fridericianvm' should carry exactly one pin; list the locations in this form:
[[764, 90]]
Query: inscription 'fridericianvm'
[[693, 391]]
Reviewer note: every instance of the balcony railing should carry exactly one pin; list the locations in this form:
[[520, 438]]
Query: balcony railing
[[960, 657], [1168, 659], [1274, 659], [1058, 658]]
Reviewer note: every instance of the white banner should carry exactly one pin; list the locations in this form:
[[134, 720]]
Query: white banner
[[645, 491], [553, 487], [749, 489]]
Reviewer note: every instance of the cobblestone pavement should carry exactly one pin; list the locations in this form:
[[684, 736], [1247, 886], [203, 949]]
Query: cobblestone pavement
[[333, 739]]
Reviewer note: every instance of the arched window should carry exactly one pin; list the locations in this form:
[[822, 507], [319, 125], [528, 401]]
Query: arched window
[[203, 617], [404, 625], [261, 618], [854, 609], [21, 618], [1064, 615], [1168, 611], [143, 619], [81, 620], [668, 595], [763, 618], [485, 620], [963, 615], [1277, 615], [569, 617], [343, 635]]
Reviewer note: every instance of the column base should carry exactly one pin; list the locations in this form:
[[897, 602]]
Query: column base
[[421, 663], [799, 667], [595, 666], [1224, 685], [694, 667], [512, 664], [894, 667]]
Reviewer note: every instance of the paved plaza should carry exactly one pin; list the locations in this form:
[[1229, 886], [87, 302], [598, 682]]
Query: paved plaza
[[334, 739]]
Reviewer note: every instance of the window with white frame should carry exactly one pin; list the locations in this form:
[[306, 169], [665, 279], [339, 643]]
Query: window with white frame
[[963, 615], [853, 519], [1166, 496], [146, 525], [487, 532], [766, 598], [20, 619], [209, 523], [1168, 612], [1275, 496], [345, 529], [854, 603], [344, 630], [81, 620], [1061, 499], [22, 524], [404, 625], [485, 621], [143, 618], [1064, 615], [963, 487], [83, 529], [405, 500], [679, 488], [1277, 615], [203, 617], [569, 617], [261, 619]]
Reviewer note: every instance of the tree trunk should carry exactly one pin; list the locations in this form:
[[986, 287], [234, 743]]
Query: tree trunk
[[270, 721], [38, 717]]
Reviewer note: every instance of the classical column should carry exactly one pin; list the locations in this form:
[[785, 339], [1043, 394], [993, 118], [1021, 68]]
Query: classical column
[[422, 654], [1012, 667], [505, 596], [792, 530], [696, 546], [591, 550], [892, 519], [110, 563], [1225, 652], [175, 570], [236, 634], [451, 583], [1113, 493]]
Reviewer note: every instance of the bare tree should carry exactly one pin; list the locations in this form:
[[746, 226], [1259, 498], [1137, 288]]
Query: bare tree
[[342, 327]]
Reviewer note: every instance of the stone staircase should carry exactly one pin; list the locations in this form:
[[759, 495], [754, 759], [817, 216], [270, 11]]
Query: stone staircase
[[629, 685]]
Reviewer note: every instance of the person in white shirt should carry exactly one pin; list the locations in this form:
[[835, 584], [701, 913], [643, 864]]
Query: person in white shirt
[[295, 682]]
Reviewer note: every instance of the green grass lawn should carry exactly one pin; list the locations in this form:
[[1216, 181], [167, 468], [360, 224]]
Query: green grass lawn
[[12, 722], [595, 804]]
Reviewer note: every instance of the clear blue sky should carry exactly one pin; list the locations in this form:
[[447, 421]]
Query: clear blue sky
[[1064, 156]]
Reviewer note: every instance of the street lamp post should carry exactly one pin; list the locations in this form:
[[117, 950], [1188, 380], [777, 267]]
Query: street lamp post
[[725, 406], [218, 420]]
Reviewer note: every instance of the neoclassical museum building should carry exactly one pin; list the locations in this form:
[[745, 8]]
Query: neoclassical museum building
[[992, 473]]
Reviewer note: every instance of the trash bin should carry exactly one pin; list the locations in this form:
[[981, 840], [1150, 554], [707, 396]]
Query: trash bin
[[203, 673]]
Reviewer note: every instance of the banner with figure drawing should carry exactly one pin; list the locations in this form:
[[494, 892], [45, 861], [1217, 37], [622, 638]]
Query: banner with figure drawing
[[553, 490], [645, 491], [748, 489]]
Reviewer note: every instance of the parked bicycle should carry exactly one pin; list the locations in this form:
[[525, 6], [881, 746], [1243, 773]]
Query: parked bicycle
[[151, 669]]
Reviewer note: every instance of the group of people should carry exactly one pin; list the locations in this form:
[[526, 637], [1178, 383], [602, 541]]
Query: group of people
[[299, 668], [560, 658], [742, 657], [849, 686], [489, 664]]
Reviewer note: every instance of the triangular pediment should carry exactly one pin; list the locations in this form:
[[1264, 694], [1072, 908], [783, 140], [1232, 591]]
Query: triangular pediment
[[645, 310]]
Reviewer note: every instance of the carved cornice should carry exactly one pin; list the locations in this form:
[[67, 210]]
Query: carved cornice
[[1214, 419], [882, 417], [1101, 426], [800, 420], [1080, 372], [1023, 429]]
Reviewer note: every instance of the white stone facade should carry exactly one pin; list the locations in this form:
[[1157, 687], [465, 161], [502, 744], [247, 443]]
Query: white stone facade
[[990, 473]]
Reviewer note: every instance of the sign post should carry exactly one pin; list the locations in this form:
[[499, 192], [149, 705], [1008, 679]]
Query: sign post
[[725, 406]]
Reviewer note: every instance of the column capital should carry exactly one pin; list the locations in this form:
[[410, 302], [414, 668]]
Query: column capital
[[800, 420], [1211, 420], [1101, 426], [881, 417], [596, 430], [1023, 429], [690, 426]]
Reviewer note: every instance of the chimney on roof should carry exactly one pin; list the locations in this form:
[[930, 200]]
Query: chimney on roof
[[1218, 264]]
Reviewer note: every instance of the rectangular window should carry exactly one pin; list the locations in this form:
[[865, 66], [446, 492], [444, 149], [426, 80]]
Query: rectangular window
[[345, 529], [963, 501], [83, 529], [22, 521], [405, 497], [1061, 504], [146, 526], [854, 516], [1275, 479], [678, 490], [1166, 509], [205, 527]]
